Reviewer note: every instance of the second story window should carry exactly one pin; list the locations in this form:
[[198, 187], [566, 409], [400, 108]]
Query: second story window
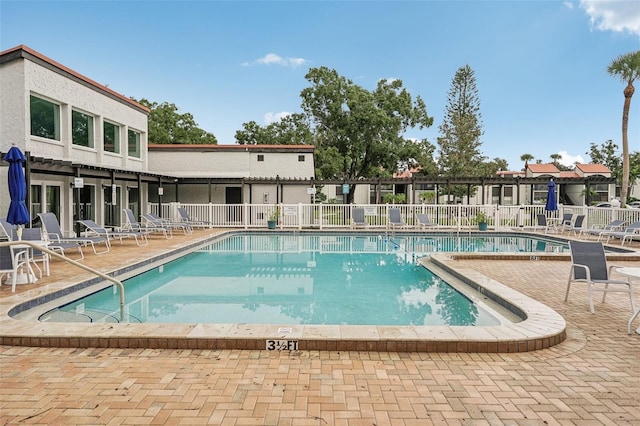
[[111, 137], [81, 129], [260, 157], [45, 118], [301, 158], [134, 143]]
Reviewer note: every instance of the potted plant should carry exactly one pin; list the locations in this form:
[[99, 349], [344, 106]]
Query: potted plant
[[482, 219], [272, 221]]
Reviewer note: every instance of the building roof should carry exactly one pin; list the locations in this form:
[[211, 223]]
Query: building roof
[[543, 168], [230, 148], [594, 168], [24, 52]]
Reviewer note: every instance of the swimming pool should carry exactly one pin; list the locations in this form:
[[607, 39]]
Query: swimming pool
[[324, 279], [292, 279], [538, 326]]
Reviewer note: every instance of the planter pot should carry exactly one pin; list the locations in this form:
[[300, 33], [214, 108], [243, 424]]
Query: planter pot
[[271, 224], [482, 226]]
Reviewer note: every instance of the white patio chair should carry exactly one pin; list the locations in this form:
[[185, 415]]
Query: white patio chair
[[395, 218], [357, 218], [589, 266]]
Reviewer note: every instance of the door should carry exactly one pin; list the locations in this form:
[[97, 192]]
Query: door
[[233, 199]]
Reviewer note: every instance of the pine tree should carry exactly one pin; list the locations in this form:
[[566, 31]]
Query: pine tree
[[461, 129]]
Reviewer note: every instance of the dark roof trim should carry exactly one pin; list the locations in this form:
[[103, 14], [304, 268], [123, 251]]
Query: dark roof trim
[[229, 148], [404, 181], [68, 168], [24, 52]]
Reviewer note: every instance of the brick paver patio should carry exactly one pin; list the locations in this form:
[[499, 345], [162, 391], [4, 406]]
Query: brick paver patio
[[591, 378]]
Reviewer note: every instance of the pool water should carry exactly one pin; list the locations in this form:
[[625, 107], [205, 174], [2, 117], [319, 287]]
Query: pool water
[[296, 279]]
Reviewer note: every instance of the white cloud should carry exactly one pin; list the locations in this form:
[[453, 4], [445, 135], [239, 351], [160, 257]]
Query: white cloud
[[272, 117], [273, 59], [613, 15], [570, 160]]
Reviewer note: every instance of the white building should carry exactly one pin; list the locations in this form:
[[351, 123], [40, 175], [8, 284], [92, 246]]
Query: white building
[[88, 156], [232, 174], [71, 127]]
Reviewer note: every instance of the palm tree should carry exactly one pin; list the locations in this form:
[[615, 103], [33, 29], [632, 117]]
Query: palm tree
[[526, 158], [555, 158], [627, 68]]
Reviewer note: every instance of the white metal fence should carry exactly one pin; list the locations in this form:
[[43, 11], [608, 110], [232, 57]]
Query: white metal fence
[[328, 216]]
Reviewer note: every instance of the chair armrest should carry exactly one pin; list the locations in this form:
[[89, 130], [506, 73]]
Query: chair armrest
[[587, 270], [53, 237]]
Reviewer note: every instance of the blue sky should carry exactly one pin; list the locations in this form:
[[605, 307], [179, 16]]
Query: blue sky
[[540, 66]]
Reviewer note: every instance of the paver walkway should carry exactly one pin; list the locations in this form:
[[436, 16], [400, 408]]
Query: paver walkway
[[593, 378]]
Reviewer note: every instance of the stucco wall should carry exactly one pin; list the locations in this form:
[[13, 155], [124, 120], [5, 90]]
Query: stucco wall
[[236, 163], [21, 78]]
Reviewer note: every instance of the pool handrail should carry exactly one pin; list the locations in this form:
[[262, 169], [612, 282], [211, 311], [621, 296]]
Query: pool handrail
[[40, 247]]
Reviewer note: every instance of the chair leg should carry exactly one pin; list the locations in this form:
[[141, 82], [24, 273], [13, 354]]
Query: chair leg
[[634, 316], [14, 280], [590, 291], [566, 296]]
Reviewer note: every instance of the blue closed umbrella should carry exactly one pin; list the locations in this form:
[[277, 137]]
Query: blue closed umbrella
[[552, 204], [18, 213]]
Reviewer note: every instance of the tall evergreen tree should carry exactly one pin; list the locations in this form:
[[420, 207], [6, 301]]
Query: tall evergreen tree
[[461, 130]]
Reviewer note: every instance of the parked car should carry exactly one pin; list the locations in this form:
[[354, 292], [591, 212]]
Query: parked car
[[634, 205], [603, 205]]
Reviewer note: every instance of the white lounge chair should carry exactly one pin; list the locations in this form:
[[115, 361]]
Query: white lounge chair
[[184, 217], [542, 224], [423, 221], [395, 218], [589, 266], [60, 242], [154, 220], [576, 226], [357, 218], [611, 226], [100, 231], [567, 221], [628, 233], [131, 224]]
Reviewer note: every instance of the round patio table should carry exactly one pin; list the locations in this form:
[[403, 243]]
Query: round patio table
[[631, 273]]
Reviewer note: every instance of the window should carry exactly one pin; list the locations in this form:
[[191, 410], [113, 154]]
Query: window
[[36, 200], [111, 137], [111, 207], [540, 192], [599, 192], [52, 200], [300, 158], [260, 157], [45, 118], [134, 143], [87, 202], [382, 190], [81, 129]]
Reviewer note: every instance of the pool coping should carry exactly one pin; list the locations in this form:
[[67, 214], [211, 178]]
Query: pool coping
[[541, 329]]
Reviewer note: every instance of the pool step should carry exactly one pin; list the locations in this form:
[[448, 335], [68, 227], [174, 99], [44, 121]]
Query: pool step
[[88, 315]]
